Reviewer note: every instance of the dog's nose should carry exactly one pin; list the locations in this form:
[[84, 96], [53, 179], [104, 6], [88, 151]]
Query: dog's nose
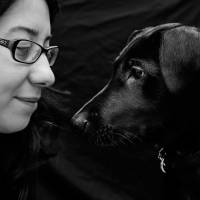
[[80, 120]]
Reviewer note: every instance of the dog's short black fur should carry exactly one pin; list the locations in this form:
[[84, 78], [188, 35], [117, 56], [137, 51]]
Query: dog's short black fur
[[153, 96]]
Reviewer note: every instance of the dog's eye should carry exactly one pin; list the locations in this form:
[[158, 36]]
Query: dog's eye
[[136, 72]]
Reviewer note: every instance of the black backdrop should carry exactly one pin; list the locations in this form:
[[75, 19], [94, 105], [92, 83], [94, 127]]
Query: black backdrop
[[90, 34]]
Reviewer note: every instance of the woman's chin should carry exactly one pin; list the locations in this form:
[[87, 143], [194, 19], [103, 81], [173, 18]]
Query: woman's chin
[[15, 125]]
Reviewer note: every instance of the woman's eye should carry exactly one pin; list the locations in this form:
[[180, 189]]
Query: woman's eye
[[22, 48], [22, 52]]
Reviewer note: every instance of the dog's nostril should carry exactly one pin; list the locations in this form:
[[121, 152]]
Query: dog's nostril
[[80, 120]]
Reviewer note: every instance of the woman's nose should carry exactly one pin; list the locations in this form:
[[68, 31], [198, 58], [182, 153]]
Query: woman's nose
[[41, 73]]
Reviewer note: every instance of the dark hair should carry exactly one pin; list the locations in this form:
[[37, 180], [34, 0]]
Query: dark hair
[[26, 150], [23, 152]]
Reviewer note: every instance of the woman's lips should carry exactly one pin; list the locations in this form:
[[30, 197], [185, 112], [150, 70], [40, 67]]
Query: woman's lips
[[28, 99]]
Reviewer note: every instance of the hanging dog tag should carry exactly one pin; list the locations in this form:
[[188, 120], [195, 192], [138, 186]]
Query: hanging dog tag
[[161, 156]]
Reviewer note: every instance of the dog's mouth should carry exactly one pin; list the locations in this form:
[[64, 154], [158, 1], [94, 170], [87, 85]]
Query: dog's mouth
[[107, 135]]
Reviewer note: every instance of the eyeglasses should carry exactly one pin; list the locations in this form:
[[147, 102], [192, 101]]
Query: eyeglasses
[[28, 52]]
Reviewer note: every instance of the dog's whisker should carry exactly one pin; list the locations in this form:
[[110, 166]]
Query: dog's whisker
[[129, 136]]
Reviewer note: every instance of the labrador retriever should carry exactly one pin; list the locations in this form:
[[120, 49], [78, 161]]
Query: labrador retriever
[[153, 96]]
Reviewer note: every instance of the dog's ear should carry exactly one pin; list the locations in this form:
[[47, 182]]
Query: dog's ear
[[144, 38], [148, 31], [180, 57], [136, 33]]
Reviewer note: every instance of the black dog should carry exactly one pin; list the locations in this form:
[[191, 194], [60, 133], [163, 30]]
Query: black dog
[[153, 97]]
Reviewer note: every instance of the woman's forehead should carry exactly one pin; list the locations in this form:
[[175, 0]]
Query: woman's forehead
[[27, 16]]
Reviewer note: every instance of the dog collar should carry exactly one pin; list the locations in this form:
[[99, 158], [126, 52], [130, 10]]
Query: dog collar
[[178, 161]]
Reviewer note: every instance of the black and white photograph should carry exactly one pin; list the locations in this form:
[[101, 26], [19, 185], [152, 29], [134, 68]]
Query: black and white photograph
[[99, 100]]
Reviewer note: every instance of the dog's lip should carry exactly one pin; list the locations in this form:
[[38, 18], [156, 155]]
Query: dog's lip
[[28, 99]]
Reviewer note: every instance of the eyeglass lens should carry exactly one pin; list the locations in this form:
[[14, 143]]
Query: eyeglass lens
[[52, 55], [28, 52]]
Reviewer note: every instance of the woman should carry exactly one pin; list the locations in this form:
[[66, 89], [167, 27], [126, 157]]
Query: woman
[[26, 58]]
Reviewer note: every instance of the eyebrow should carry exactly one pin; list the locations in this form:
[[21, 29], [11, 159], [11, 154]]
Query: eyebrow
[[30, 31]]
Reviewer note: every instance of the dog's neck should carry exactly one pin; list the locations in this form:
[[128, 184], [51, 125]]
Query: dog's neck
[[179, 157]]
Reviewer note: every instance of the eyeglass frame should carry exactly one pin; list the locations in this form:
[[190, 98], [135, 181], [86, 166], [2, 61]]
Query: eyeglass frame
[[12, 44]]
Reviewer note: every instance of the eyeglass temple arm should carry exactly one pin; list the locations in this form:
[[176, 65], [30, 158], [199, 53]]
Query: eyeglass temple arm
[[4, 42]]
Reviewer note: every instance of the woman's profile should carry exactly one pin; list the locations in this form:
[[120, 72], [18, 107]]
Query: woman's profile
[[26, 58]]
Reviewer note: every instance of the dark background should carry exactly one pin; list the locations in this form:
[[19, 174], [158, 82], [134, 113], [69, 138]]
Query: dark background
[[90, 34]]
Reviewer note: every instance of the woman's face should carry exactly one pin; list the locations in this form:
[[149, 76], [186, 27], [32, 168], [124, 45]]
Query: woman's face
[[21, 84]]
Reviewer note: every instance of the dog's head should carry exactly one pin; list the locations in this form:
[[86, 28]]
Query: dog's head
[[153, 92]]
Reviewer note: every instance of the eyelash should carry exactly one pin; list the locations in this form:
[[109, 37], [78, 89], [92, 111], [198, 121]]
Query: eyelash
[[132, 62]]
